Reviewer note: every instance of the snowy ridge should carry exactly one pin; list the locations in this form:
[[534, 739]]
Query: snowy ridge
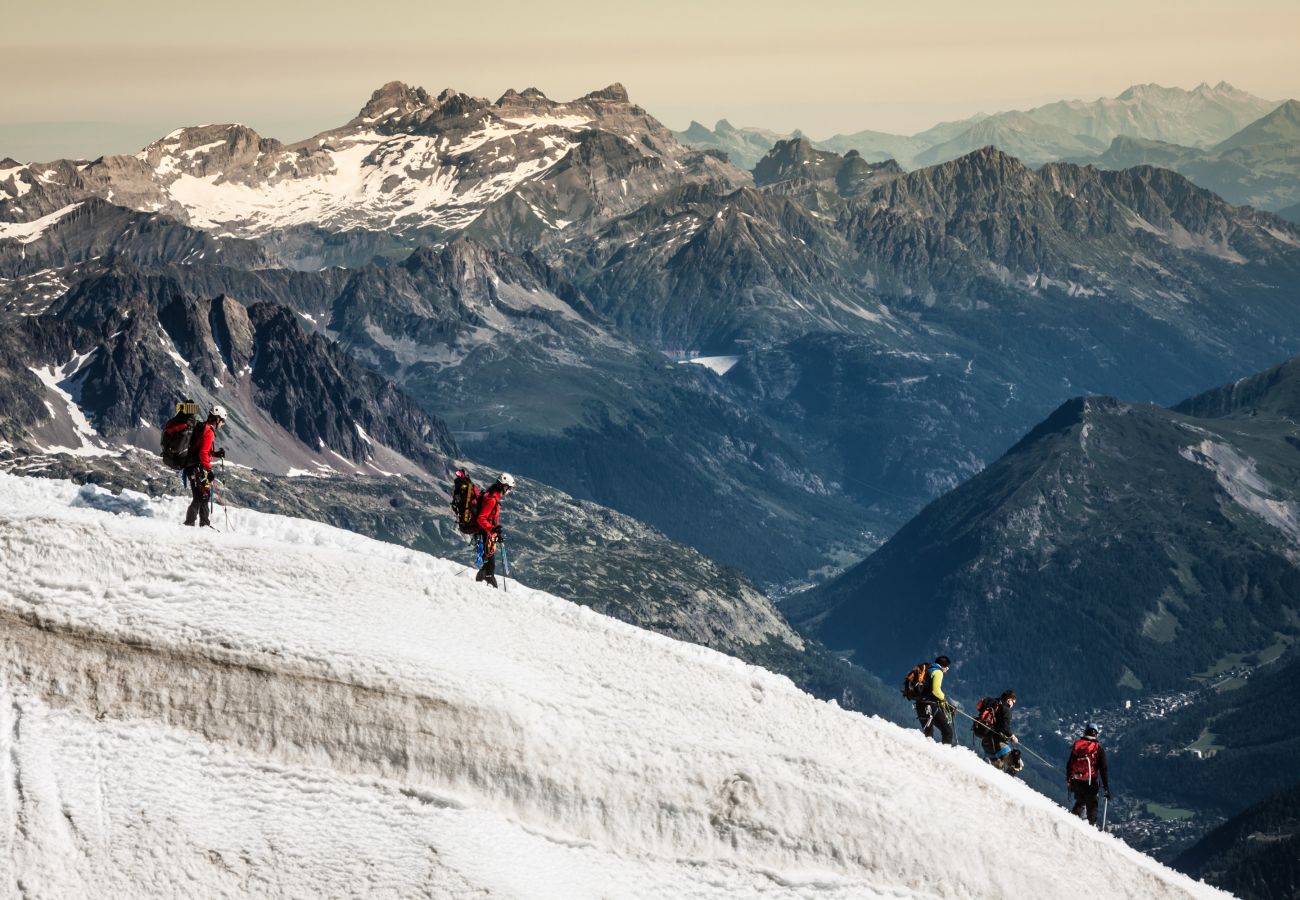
[[297, 710]]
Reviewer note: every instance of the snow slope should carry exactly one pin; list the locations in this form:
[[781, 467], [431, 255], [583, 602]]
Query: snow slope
[[287, 709]]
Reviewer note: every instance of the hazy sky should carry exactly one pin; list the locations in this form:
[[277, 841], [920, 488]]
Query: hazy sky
[[290, 68]]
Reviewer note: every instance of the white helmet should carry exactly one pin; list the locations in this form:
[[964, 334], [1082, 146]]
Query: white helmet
[[507, 479], [218, 412]]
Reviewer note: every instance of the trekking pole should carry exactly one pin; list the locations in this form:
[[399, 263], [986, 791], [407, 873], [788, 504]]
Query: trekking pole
[[1105, 808], [505, 567]]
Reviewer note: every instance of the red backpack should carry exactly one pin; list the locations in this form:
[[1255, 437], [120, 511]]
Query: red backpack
[[986, 716], [1083, 760]]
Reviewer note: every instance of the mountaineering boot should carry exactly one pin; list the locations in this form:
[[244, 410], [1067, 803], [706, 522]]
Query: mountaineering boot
[[492, 580]]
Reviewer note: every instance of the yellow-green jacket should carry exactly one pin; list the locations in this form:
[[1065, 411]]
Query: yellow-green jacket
[[936, 683]]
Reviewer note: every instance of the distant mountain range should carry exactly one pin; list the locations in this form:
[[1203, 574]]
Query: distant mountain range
[[1238, 145], [410, 168], [1201, 117], [1257, 166], [577, 242]]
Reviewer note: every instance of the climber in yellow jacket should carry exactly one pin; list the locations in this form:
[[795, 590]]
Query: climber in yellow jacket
[[934, 710]]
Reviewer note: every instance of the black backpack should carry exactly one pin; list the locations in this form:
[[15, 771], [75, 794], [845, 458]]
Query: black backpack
[[178, 433], [914, 687], [465, 497]]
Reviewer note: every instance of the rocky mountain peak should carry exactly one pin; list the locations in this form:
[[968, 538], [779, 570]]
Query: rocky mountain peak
[[526, 96], [696, 133], [1137, 91], [396, 98], [984, 166], [614, 92], [796, 158]]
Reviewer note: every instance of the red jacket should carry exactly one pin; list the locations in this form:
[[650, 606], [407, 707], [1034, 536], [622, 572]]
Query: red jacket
[[489, 510], [201, 446]]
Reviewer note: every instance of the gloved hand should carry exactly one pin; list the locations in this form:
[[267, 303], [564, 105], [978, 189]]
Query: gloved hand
[[1108, 794], [219, 453]]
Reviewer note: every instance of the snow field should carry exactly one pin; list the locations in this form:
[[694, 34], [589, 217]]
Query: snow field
[[281, 693]]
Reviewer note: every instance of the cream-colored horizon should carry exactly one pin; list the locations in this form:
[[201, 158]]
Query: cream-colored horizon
[[290, 69]]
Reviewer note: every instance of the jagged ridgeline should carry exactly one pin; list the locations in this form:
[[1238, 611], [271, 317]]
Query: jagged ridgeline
[[1238, 145]]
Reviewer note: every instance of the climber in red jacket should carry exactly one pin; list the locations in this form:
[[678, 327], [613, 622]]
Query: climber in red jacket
[[489, 528]]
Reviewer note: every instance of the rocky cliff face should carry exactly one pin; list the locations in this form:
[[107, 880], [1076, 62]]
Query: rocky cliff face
[[137, 341]]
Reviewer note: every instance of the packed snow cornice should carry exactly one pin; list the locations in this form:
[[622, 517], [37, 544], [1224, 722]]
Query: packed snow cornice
[[290, 709]]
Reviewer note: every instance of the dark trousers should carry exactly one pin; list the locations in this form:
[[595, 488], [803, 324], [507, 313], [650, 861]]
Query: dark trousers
[[931, 715], [201, 496], [1085, 795], [487, 572]]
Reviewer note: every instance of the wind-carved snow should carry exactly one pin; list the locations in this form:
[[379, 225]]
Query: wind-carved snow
[[388, 727], [1238, 476], [26, 232]]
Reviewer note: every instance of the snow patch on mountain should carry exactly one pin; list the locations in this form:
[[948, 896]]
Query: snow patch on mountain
[[26, 232], [298, 710], [67, 419]]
